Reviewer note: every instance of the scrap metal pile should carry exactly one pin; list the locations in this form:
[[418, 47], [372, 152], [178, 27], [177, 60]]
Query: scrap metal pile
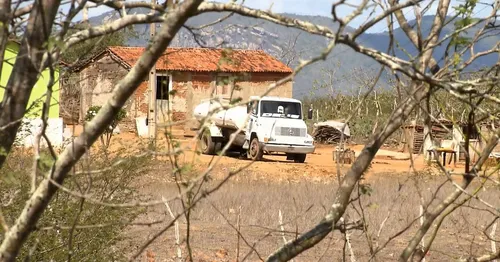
[[330, 132]]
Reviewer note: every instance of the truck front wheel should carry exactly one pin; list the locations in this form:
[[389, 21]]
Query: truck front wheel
[[207, 145], [299, 158], [255, 151]]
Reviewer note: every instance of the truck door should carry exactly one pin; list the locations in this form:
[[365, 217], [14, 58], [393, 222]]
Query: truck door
[[251, 122]]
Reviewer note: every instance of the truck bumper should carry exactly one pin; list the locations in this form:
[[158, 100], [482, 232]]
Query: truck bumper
[[295, 149]]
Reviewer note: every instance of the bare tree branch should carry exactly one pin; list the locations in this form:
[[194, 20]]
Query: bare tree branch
[[439, 209], [342, 196], [4, 28]]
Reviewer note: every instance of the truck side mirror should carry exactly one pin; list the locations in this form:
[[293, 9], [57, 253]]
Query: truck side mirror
[[310, 113], [250, 106]]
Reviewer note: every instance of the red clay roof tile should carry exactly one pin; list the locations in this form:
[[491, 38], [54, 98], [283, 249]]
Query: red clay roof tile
[[206, 59]]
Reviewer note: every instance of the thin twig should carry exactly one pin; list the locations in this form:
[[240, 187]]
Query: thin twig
[[238, 240], [3, 222], [421, 211], [176, 227], [493, 242], [280, 216]]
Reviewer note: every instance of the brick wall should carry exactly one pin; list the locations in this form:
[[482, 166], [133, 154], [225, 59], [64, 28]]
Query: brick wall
[[98, 79], [194, 87], [191, 88], [70, 99], [258, 84]]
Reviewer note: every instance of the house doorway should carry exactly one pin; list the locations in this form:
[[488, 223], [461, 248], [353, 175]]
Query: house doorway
[[163, 99]]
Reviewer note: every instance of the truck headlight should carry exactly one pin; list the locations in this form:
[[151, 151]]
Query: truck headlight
[[308, 142]]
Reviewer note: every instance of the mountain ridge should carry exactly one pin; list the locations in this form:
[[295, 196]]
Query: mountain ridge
[[282, 42]]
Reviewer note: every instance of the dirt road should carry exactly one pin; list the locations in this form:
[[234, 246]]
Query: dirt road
[[318, 164]]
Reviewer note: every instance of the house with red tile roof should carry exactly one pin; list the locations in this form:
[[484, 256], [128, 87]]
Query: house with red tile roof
[[185, 77]]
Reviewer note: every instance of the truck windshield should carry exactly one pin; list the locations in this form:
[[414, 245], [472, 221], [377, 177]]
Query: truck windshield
[[280, 109]]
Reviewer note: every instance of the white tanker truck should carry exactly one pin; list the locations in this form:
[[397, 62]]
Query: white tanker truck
[[275, 125]]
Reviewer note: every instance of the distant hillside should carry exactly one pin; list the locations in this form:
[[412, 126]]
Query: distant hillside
[[381, 41], [243, 32]]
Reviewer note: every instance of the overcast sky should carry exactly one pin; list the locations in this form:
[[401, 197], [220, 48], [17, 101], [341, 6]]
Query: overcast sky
[[323, 8]]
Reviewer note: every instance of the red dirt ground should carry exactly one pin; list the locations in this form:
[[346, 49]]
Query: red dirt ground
[[319, 164]]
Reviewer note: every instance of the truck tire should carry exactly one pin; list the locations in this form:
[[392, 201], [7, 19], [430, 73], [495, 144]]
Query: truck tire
[[243, 154], [207, 145], [299, 158], [218, 147], [255, 151]]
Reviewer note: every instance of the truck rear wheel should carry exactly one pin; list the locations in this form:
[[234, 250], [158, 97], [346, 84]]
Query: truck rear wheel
[[299, 158], [255, 151], [207, 145]]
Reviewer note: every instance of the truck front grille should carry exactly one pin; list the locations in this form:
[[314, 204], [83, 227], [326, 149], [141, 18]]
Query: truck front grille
[[290, 131]]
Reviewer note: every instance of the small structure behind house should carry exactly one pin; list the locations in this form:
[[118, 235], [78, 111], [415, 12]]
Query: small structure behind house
[[330, 132], [450, 135], [185, 77]]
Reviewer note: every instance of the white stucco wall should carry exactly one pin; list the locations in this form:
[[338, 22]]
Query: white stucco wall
[[31, 127]]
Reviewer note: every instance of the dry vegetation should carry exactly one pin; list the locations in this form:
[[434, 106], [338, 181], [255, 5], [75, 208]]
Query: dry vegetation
[[78, 204], [390, 208], [96, 228]]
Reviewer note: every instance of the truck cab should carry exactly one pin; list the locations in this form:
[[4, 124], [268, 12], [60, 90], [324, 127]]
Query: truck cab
[[276, 125], [269, 125]]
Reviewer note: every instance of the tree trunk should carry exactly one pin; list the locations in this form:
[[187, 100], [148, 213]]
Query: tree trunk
[[25, 73], [4, 29]]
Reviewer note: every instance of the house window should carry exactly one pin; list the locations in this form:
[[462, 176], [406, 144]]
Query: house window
[[162, 87], [224, 85]]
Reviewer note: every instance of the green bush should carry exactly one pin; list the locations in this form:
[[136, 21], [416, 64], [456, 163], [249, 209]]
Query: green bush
[[93, 110], [51, 239], [108, 132]]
